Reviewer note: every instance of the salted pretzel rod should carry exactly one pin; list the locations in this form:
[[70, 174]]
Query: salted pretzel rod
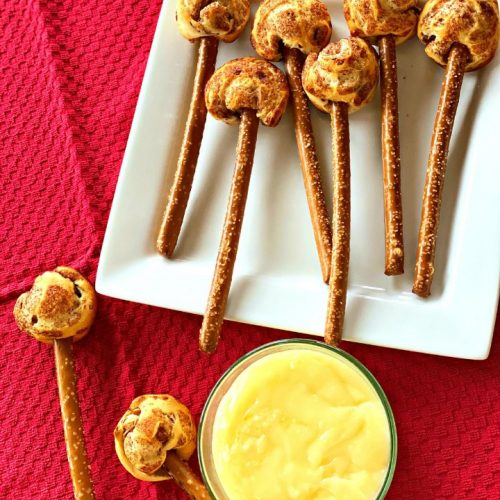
[[188, 158], [391, 160], [387, 23], [289, 29], [462, 36], [154, 440], [355, 61], [60, 309], [210, 22], [341, 223], [228, 248], [252, 90]]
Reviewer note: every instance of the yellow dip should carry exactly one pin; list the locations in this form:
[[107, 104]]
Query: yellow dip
[[301, 424]]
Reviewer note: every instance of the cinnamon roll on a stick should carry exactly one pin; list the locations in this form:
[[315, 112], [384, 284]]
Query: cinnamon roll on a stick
[[340, 79], [289, 30], [461, 36], [244, 91], [387, 23], [60, 309], [208, 21]]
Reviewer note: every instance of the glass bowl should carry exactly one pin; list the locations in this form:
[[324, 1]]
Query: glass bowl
[[205, 456]]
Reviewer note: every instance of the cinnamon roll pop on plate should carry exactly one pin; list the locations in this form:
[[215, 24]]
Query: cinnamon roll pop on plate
[[461, 35], [244, 91], [388, 23], [209, 21], [289, 29], [155, 438], [340, 79], [60, 309]]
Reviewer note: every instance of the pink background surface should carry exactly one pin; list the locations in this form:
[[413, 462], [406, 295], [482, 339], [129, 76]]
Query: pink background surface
[[70, 73]]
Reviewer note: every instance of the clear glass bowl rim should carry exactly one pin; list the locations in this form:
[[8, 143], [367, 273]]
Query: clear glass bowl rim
[[330, 349]]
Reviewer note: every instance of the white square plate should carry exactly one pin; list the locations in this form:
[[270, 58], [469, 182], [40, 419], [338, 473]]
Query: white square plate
[[277, 280]]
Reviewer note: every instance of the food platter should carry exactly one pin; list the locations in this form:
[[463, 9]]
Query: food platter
[[277, 280]]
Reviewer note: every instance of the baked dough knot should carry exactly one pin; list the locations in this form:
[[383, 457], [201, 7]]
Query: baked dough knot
[[297, 24], [472, 23], [344, 71], [247, 83], [154, 425], [373, 19], [223, 19], [61, 304]]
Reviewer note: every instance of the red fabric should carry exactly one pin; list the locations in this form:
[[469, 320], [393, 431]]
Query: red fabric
[[70, 73]]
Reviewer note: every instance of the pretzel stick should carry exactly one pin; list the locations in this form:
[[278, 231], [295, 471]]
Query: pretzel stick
[[393, 211], [185, 478], [214, 313], [72, 420], [311, 173], [436, 169], [341, 223], [190, 149]]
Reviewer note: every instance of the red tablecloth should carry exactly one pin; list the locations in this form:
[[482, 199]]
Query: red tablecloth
[[70, 73]]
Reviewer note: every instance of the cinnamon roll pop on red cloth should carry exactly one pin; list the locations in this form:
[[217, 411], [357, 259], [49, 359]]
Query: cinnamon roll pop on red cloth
[[60, 309], [461, 35], [289, 29], [340, 79], [388, 23], [209, 21], [155, 438], [243, 91]]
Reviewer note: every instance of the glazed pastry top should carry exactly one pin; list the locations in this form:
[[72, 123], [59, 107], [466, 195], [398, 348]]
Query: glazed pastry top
[[372, 19], [472, 23], [153, 426], [223, 19], [247, 83], [344, 71]]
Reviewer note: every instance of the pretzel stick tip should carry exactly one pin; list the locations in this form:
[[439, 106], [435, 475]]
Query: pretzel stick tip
[[185, 477], [294, 61], [72, 420], [341, 224], [190, 149], [436, 169], [228, 248], [393, 211]]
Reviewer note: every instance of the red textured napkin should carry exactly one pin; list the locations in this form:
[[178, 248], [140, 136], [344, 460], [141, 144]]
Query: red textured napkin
[[70, 73]]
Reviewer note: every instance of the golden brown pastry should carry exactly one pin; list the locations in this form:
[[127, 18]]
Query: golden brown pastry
[[297, 24], [210, 21], [472, 23], [153, 426], [247, 83], [344, 71], [61, 304], [223, 19], [372, 19]]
